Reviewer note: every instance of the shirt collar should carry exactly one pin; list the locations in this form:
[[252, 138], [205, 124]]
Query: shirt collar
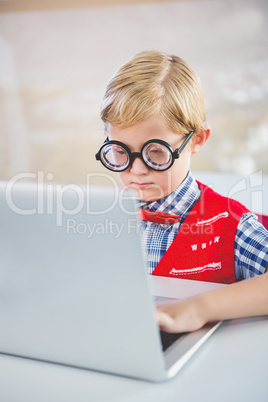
[[179, 201]]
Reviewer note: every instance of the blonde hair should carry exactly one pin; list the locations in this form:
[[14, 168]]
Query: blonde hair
[[154, 83]]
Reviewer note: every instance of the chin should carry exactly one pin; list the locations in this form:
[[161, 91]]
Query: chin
[[147, 195]]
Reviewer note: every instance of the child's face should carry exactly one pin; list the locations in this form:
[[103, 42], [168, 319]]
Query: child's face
[[145, 183]]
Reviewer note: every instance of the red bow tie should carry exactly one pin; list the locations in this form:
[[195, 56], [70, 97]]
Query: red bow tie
[[158, 217]]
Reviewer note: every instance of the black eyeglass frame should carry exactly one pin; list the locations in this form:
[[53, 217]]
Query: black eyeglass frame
[[132, 155]]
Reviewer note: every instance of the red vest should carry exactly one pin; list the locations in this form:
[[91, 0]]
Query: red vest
[[203, 249]]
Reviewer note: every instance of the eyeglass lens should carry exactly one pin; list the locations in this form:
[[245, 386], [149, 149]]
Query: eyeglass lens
[[115, 157], [157, 156]]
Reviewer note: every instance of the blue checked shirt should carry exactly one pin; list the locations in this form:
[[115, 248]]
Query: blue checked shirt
[[251, 241]]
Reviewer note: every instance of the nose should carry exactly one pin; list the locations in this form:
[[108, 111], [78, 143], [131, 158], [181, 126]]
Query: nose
[[138, 167]]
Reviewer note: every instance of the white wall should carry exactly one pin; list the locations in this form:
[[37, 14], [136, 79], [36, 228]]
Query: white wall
[[54, 66]]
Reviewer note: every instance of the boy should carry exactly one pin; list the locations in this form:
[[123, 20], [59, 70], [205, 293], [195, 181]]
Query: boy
[[153, 114]]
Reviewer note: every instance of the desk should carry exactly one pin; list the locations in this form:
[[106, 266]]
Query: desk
[[232, 365]]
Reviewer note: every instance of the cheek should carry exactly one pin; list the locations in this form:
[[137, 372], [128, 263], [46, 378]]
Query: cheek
[[123, 177], [163, 179]]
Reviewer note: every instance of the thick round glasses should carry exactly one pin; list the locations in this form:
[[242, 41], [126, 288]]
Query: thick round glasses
[[156, 154]]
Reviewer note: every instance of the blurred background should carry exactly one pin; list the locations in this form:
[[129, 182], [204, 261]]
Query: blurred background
[[56, 58]]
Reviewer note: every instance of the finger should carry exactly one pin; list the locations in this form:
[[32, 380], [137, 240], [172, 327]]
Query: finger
[[165, 322]]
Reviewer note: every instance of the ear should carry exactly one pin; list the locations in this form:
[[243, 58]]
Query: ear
[[200, 139]]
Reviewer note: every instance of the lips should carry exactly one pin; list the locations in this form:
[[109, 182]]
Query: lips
[[141, 185]]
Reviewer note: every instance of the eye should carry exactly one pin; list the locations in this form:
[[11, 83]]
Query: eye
[[119, 151], [157, 151]]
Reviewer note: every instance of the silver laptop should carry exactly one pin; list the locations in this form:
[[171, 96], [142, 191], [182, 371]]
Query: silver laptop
[[74, 288]]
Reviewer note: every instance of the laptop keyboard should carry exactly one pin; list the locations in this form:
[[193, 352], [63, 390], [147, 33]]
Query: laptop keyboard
[[168, 339]]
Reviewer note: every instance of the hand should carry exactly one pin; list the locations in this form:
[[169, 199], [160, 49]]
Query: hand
[[180, 316], [247, 298]]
